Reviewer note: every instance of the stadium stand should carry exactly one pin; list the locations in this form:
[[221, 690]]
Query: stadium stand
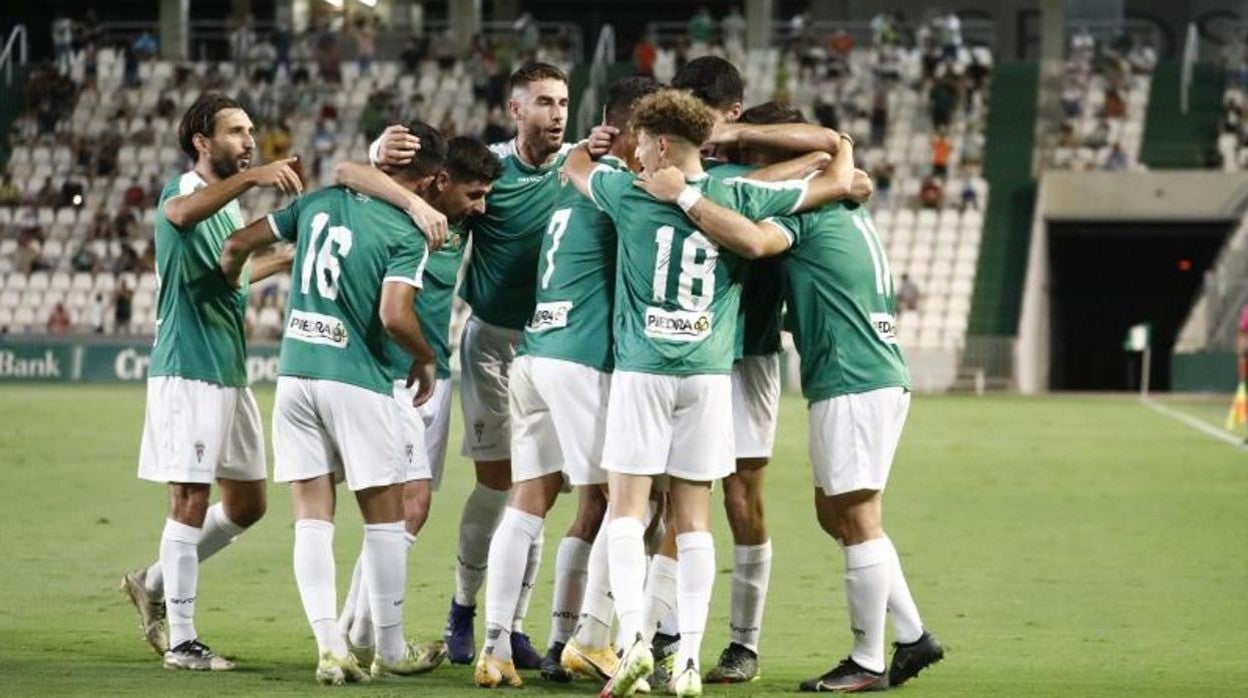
[[83, 188]]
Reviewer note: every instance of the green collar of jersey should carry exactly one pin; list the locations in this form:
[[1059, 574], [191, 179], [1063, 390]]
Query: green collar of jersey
[[511, 148]]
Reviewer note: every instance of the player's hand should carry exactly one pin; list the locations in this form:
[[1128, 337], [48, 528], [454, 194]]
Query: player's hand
[[431, 222], [279, 175], [725, 133], [398, 146], [600, 139], [664, 185], [423, 373]]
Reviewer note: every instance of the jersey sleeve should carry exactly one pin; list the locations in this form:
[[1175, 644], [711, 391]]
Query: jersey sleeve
[[756, 199], [791, 226], [607, 187], [407, 261], [285, 222]]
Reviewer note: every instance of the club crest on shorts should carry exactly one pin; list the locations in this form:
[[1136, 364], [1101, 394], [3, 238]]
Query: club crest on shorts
[[478, 428], [408, 450], [199, 451]]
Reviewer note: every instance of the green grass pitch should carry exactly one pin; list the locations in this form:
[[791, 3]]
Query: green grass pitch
[[1059, 546]]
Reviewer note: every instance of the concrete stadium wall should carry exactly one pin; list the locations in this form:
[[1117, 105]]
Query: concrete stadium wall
[[1109, 196]]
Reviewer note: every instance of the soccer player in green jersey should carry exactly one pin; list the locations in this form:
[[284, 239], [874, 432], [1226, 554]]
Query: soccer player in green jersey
[[202, 423], [676, 305], [755, 375], [499, 284], [841, 306], [559, 385], [359, 263], [457, 192]]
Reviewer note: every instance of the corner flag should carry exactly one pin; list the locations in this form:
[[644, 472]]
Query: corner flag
[[1137, 337]]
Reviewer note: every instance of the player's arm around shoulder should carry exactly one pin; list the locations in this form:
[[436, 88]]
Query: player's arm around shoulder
[[238, 248], [836, 182], [188, 208], [379, 185], [723, 225]]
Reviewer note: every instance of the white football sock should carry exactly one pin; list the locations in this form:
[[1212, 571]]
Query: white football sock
[[385, 578], [513, 539], [695, 577], [660, 602], [356, 598], [594, 629], [180, 564], [627, 570], [531, 567], [359, 620], [868, 570], [751, 571], [571, 570], [482, 510], [907, 626], [314, 575], [218, 532]]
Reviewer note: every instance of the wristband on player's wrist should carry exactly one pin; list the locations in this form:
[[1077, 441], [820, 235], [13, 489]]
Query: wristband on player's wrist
[[688, 197]]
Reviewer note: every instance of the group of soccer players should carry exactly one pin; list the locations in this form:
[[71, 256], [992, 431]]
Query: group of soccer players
[[626, 297]]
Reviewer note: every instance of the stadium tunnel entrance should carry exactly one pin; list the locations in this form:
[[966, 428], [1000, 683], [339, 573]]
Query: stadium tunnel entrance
[[1107, 276]]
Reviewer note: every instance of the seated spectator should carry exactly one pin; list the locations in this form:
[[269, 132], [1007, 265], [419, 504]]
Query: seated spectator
[[274, 142], [101, 226], [146, 135], [970, 195], [10, 195], [883, 177], [907, 294], [123, 306], [879, 117], [135, 195], [46, 195], [940, 154], [1117, 160], [645, 53], [1072, 102], [147, 260], [931, 193], [71, 193], [154, 188], [1115, 106], [59, 321], [84, 259], [124, 224], [127, 259], [1099, 138], [26, 257], [365, 43]]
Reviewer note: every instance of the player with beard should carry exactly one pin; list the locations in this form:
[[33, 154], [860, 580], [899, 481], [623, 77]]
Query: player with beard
[[500, 284], [458, 191], [202, 423]]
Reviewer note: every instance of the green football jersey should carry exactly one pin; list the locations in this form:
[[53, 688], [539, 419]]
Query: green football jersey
[[677, 293], [762, 294], [575, 282], [200, 327], [347, 246], [433, 306], [841, 304], [502, 269]]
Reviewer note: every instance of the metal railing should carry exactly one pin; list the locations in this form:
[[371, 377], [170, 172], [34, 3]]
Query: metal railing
[[604, 56], [17, 39]]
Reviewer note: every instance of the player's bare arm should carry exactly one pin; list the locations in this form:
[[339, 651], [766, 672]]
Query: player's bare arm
[[375, 183], [724, 226], [578, 167], [796, 137], [399, 319], [238, 248], [188, 209], [835, 182], [863, 188], [277, 261]]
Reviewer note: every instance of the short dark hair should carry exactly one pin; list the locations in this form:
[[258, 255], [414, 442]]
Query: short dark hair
[[431, 156], [712, 79], [772, 113], [470, 160], [674, 113], [623, 95], [201, 118], [532, 72]]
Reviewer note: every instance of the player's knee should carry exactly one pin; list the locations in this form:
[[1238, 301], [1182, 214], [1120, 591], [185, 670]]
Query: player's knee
[[188, 503], [416, 512], [248, 513]]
